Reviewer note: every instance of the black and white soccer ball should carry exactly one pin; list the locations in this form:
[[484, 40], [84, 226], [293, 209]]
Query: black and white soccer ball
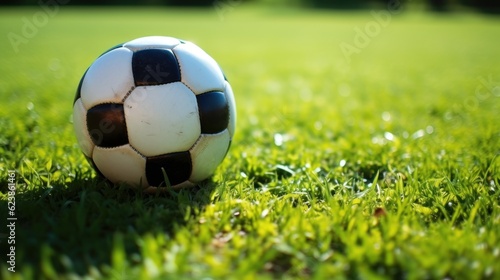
[[153, 112]]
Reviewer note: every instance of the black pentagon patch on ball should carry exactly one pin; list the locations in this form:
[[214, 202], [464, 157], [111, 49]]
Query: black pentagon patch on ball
[[177, 166], [155, 67], [214, 112], [106, 125]]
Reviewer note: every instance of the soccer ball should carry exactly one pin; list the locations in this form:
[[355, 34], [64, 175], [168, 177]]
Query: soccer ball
[[154, 112]]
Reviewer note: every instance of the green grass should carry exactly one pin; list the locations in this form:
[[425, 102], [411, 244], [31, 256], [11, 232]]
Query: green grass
[[384, 166]]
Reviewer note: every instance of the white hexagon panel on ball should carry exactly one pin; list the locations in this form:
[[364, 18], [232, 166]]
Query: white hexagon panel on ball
[[199, 71], [162, 119], [109, 79]]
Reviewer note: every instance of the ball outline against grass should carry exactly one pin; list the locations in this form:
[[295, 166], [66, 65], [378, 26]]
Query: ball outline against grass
[[155, 111]]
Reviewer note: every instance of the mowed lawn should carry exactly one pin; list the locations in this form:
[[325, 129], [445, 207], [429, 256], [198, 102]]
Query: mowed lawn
[[367, 147]]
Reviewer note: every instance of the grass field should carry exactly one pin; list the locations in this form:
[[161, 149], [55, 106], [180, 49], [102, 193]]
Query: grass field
[[381, 162]]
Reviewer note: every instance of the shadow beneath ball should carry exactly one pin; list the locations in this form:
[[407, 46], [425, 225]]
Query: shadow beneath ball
[[80, 224]]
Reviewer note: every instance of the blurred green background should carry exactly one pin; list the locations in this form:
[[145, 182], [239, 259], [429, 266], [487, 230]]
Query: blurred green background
[[489, 6]]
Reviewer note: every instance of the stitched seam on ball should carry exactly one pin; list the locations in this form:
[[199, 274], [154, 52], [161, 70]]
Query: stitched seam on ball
[[180, 70], [128, 93], [137, 151], [209, 134]]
